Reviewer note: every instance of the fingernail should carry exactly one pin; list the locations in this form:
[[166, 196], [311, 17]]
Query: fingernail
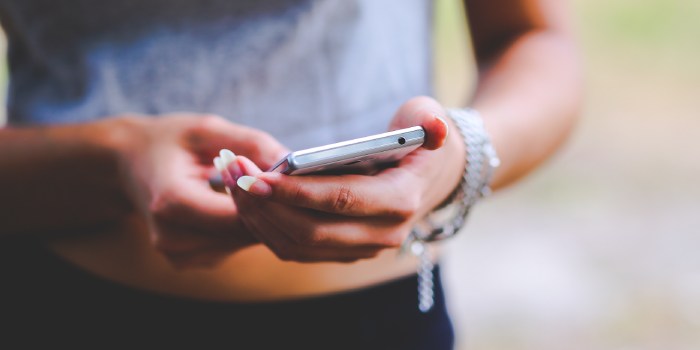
[[252, 185], [219, 164], [227, 156], [227, 161], [245, 182]]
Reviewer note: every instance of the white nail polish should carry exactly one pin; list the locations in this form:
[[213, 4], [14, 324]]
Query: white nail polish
[[245, 182], [219, 164], [227, 157]]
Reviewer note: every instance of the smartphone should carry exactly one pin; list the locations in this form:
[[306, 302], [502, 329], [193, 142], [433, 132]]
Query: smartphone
[[361, 155]]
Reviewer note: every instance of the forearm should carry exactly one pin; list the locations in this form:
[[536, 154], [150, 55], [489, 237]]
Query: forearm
[[529, 96], [56, 179]]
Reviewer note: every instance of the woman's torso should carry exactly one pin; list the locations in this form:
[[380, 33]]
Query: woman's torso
[[308, 72]]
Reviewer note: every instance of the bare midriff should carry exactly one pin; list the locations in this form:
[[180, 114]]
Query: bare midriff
[[251, 274]]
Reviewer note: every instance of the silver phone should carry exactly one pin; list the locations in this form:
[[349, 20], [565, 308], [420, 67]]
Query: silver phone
[[354, 156]]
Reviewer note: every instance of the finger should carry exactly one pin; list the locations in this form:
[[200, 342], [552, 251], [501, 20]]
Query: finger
[[275, 235], [231, 167], [238, 168], [348, 195], [247, 166], [310, 228], [192, 201], [219, 133], [429, 114], [317, 251], [259, 228], [290, 251]]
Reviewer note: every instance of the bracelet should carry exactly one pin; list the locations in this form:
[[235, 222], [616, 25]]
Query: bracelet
[[446, 220], [481, 162]]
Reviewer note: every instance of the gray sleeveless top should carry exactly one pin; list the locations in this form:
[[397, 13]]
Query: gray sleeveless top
[[306, 71]]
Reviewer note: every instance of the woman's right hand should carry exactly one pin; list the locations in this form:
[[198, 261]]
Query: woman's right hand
[[166, 165]]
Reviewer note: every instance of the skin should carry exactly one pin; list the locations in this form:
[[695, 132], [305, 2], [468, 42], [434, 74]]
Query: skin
[[131, 159], [141, 212], [349, 217]]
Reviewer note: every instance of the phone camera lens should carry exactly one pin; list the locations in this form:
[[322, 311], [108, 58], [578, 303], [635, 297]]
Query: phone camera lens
[[402, 140]]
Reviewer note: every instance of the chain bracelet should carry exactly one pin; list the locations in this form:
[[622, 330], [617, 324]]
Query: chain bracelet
[[426, 297], [481, 162]]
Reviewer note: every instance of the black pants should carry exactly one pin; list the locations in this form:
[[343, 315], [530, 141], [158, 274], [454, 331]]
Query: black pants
[[42, 298]]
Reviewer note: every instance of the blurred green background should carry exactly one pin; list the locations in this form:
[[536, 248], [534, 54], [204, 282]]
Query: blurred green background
[[600, 248]]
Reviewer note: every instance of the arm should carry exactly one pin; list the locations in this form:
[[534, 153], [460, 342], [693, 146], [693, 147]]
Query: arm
[[529, 88], [529, 95], [61, 178], [58, 179]]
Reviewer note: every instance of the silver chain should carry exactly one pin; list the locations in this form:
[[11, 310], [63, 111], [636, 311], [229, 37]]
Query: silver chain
[[426, 294], [480, 165]]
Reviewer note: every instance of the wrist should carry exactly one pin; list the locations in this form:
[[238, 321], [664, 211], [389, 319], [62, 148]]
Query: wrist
[[122, 139], [455, 161], [67, 174], [479, 163], [122, 136]]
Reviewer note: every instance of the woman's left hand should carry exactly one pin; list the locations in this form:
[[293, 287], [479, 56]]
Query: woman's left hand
[[344, 218]]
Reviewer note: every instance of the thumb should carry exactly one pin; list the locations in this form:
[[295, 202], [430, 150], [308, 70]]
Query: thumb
[[259, 146], [426, 112]]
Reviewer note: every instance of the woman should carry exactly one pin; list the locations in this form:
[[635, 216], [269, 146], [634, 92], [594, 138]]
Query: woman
[[110, 227]]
